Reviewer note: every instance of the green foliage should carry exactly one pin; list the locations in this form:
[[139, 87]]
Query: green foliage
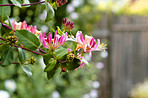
[[60, 54], [16, 3], [4, 10], [26, 69], [46, 58], [59, 30], [72, 65], [28, 39], [50, 12], [22, 56], [51, 73], [51, 64], [7, 57]]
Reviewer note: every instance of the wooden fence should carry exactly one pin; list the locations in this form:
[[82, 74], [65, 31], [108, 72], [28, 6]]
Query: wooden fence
[[129, 53], [128, 59]]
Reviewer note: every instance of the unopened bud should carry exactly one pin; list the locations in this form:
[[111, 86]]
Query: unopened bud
[[67, 24], [31, 60], [11, 40], [59, 2], [70, 57]]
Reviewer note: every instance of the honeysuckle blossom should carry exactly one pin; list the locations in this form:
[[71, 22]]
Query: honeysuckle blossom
[[59, 2], [50, 43], [67, 24], [88, 44], [23, 25]]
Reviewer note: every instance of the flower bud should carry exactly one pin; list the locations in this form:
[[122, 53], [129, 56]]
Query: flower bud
[[70, 57], [59, 2], [11, 40], [31, 60], [67, 24]]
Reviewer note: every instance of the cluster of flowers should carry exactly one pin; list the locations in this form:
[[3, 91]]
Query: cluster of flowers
[[85, 45], [23, 25]]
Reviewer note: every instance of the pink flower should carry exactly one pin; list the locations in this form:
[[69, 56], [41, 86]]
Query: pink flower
[[67, 24], [23, 25], [50, 43], [59, 2], [88, 44]]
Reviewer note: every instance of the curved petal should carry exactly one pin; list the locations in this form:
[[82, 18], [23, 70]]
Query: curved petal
[[61, 39], [65, 38], [44, 43], [55, 36], [92, 43], [79, 37], [97, 45]]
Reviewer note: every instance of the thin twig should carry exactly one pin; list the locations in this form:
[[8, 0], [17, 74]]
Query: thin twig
[[3, 39], [1, 43], [42, 50], [28, 50], [7, 26], [12, 63], [24, 48], [22, 4]]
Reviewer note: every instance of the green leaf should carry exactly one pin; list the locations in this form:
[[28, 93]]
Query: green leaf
[[22, 56], [46, 58], [16, 3], [27, 69], [59, 30], [4, 47], [52, 72], [4, 10], [50, 12], [5, 30], [51, 64], [9, 23], [60, 54], [7, 56], [54, 6], [52, 30], [84, 60], [27, 39], [26, 2], [72, 65]]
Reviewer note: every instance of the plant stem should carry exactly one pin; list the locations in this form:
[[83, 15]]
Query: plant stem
[[1, 43], [42, 50], [13, 63], [22, 4], [3, 39], [7, 26], [28, 50], [24, 48]]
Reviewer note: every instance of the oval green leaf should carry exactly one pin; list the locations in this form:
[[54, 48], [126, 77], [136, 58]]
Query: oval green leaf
[[27, 69], [4, 10], [50, 12], [51, 65], [28, 39], [61, 54], [7, 57], [22, 56]]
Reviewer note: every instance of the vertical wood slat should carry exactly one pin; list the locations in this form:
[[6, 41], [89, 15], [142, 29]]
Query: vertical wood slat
[[129, 56]]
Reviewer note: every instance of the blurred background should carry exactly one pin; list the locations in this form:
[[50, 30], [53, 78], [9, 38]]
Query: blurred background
[[119, 72]]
